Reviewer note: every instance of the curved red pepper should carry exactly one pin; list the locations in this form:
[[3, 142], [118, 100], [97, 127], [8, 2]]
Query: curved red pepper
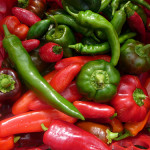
[[63, 136], [131, 101], [14, 26]]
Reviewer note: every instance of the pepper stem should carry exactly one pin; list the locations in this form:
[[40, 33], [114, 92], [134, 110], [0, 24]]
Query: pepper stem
[[16, 139], [123, 136], [71, 13], [111, 135], [23, 3], [57, 49], [6, 31], [43, 127]]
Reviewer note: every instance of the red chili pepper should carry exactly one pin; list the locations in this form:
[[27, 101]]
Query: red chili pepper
[[64, 77], [94, 110], [22, 14], [31, 44], [63, 136], [22, 104], [7, 143], [14, 26], [131, 101], [31, 121], [136, 24], [51, 52], [79, 59], [143, 77]]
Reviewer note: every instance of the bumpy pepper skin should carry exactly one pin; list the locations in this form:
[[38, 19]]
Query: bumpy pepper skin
[[134, 57], [97, 80]]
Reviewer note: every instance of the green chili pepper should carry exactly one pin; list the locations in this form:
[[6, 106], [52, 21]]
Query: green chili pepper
[[108, 12], [134, 57], [115, 5], [63, 36], [32, 78], [96, 21], [88, 41], [98, 81], [104, 4], [99, 48]]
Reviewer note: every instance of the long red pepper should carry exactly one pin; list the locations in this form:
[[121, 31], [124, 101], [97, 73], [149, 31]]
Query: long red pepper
[[62, 135], [25, 16], [79, 59], [31, 121]]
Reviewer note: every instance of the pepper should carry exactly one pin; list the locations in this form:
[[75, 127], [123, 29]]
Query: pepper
[[82, 5], [32, 77], [31, 121], [102, 48], [115, 5], [131, 94], [98, 22], [134, 57], [80, 139], [63, 36], [14, 26], [148, 24], [10, 85], [99, 130], [98, 81], [104, 4], [36, 6]]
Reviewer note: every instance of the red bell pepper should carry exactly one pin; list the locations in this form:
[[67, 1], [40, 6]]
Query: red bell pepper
[[7, 143], [22, 14], [94, 110], [64, 77], [14, 26], [131, 101], [62, 135], [31, 121], [79, 59]]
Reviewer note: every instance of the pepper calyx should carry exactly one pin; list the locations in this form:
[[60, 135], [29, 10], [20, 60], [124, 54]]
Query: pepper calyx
[[111, 135], [7, 83], [57, 49], [23, 3], [142, 51]]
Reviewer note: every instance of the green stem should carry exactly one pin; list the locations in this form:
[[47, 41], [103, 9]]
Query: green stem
[[43, 127], [57, 49], [23, 3], [123, 136], [16, 139], [110, 136], [6, 31]]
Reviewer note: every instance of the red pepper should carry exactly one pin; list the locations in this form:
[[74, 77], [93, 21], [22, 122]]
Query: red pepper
[[64, 77], [62, 135], [147, 38], [14, 26], [148, 24], [31, 121], [58, 2], [51, 52], [143, 77], [94, 110], [147, 85], [7, 143], [31, 44], [131, 101], [136, 24]]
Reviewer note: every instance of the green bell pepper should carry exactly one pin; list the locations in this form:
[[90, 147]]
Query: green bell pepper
[[134, 57], [98, 81]]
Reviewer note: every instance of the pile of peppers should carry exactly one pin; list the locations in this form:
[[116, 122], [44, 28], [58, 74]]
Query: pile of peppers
[[74, 74]]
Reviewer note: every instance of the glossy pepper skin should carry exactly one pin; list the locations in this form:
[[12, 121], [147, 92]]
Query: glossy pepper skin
[[32, 77], [62, 135], [131, 94], [10, 85], [98, 80], [82, 5], [63, 36], [134, 57], [97, 22]]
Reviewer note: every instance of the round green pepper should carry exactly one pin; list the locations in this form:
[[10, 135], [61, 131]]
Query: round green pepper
[[98, 81]]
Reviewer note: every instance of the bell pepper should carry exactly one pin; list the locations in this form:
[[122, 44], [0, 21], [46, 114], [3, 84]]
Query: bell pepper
[[82, 5], [94, 110], [63, 36], [10, 85], [131, 94], [31, 121], [134, 57], [14, 26], [98, 81], [63, 136], [99, 130]]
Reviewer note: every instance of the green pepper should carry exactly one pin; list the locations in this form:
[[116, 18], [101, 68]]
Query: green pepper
[[115, 5], [82, 5], [134, 57], [32, 78], [63, 36], [104, 4], [98, 81]]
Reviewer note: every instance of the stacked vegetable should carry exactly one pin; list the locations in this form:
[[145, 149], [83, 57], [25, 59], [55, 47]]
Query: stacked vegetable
[[75, 74]]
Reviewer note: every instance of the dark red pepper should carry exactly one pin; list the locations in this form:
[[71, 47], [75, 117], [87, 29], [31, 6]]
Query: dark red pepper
[[10, 85]]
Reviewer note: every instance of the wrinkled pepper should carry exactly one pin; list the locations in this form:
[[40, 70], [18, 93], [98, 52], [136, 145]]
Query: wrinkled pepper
[[98, 81], [131, 94], [32, 77], [134, 57]]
